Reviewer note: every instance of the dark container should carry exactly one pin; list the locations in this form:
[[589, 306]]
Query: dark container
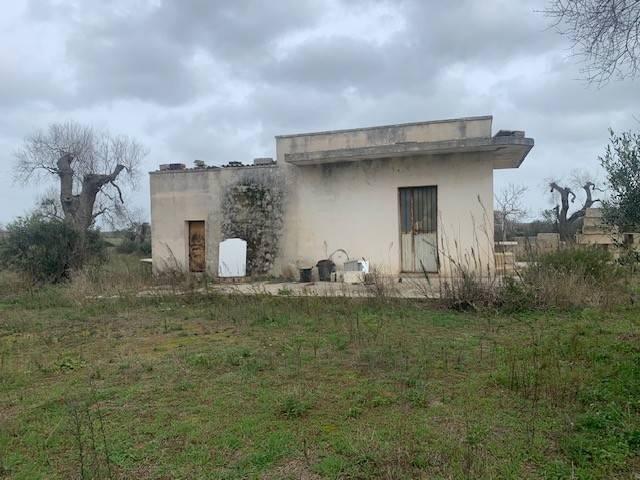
[[305, 275], [325, 267]]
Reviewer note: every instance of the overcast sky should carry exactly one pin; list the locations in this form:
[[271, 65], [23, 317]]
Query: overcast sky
[[216, 80]]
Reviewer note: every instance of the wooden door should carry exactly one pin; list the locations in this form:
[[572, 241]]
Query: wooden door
[[419, 229], [196, 246]]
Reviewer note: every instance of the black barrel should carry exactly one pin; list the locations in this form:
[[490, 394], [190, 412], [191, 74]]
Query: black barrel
[[305, 275], [325, 267]]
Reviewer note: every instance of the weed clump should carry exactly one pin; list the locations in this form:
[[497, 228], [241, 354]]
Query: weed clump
[[293, 406], [564, 279]]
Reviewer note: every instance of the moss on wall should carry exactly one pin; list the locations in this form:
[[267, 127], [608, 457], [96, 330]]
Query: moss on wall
[[253, 209]]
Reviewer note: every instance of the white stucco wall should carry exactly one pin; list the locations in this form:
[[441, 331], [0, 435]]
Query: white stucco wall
[[346, 205], [178, 197], [355, 206]]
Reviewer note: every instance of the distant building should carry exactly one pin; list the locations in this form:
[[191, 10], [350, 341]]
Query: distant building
[[404, 197], [596, 233]]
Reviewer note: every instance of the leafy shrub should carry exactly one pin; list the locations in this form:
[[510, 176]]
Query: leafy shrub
[[629, 257], [622, 165], [564, 279], [590, 263], [45, 250], [145, 247], [127, 246], [293, 406], [469, 291], [132, 245]]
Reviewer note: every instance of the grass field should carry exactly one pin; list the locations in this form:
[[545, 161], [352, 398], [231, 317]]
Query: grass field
[[264, 387]]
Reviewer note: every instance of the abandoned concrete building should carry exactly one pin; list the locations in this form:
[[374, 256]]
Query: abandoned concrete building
[[407, 198]]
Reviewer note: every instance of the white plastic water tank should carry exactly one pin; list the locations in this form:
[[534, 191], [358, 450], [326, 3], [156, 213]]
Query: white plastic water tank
[[232, 258]]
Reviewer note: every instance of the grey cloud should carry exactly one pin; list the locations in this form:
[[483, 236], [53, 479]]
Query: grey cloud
[[436, 36], [236, 31], [217, 80], [329, 64], [145, 66], [559, 93], [152, 55], [21, 89], [339, 63], [475, 31], [316, 111], [223, 130]]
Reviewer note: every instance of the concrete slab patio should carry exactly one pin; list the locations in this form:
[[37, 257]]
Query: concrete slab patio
[[415, 288]]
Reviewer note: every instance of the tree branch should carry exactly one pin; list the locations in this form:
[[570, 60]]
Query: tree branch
[[119, 191]]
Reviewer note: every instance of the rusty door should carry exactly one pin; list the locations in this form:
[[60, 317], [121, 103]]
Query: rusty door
[[419, 229], [196, 246]]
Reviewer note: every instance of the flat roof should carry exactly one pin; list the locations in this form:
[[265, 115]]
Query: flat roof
[[393, 125], [211, 169], [509, 151]]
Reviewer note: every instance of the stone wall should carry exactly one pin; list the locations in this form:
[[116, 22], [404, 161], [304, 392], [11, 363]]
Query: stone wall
[[253, 209], [541, 243]]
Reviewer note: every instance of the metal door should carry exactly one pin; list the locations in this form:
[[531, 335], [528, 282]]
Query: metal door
[[196, 246], [419, 229]]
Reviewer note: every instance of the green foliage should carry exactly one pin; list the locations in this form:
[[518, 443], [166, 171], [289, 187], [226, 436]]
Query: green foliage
[[130, 246], [293, 406], [134, 241], [164, 387], [46, 250], [566, 279], [606, 431], [145, 247], [622, 164], [590, 263]]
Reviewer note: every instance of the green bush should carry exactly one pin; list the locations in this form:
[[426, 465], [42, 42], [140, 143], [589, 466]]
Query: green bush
[[590, 263], [127, 246], [145, 247], [293, 406], [46, 250], [130, 245], [565, 279]]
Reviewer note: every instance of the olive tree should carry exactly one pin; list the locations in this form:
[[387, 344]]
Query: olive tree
[[90, 166], [565, 197], [621, 162]]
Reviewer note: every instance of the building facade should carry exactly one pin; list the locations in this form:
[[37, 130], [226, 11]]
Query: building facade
[[407, 198]]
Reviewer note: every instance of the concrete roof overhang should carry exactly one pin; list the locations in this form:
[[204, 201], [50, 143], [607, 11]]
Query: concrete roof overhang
[[506, 151]]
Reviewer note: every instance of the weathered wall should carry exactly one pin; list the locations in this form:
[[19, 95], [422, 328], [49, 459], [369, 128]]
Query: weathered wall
[[253, 209], [353, 205], [181, 196], [455, 129]]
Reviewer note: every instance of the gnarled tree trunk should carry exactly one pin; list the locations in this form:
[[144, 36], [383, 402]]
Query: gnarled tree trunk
[[562, 211], [78, 208]]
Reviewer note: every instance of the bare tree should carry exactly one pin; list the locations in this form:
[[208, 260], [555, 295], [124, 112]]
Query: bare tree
[[90, 166], [606, 33], [510, 207], [566, 196]]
